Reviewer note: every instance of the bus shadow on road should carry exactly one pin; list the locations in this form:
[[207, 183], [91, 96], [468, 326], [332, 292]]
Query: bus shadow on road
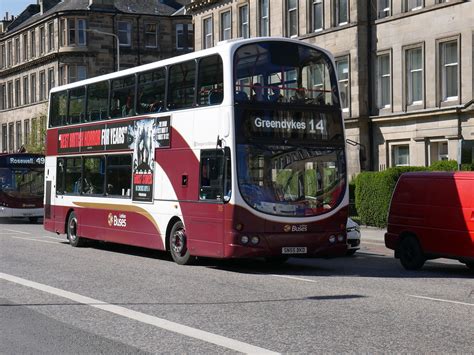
[[363, 265]]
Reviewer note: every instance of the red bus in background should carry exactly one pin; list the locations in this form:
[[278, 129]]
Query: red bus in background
[[236, 151], [21, 185]]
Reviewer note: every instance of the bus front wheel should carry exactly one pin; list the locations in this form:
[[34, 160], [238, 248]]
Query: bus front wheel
[[72, 236], [178, 245]]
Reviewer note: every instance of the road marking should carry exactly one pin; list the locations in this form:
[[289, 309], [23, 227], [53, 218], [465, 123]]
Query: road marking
[[441, 300], [144, 318], [292, 278], [33, 239], [15, 231]]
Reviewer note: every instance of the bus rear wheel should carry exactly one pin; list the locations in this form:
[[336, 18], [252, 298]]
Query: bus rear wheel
[[72, 236], [178, 245]]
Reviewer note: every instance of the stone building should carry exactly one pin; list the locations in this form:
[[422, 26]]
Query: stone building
[[404, 67], [56, 42]]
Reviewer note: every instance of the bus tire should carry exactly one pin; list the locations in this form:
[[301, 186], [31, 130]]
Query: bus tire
[[411, 254], [74, 239], [33, 220], [470, 265], [178, 246]]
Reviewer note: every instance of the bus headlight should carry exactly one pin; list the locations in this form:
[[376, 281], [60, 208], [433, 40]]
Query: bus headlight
[[244, 239], [340, 238], [332, 239], [255, 240]]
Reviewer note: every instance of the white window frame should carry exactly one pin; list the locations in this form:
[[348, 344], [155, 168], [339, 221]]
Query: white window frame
[[394, 153], [226, 25], [208, 35], [25, 46], [264, 18], [337, 12], [438, 142], [444, 65], [42, 35], [342, 82], [410, 73], [381, 77], [26, 90], [244, 29], [51, 37], [291, 11], [154, 34], [32, 43], [127, 31], [383, 8], [17, 57], [315, 4], [413, 5]]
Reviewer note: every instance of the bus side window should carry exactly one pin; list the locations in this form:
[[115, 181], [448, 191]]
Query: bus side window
[[60, 177]]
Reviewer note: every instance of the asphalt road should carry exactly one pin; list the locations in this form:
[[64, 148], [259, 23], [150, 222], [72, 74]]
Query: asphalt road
[[112, 299]]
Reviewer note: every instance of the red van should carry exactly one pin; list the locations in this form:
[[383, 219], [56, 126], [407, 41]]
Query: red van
[[432, 216]]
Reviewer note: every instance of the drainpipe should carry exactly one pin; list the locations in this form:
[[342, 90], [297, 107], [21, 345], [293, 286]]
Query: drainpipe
[[370, 84]]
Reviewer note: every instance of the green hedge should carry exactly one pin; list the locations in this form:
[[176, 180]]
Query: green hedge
[[373, 190]]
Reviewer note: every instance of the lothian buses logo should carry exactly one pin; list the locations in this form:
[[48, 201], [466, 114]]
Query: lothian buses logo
[[117, 221]]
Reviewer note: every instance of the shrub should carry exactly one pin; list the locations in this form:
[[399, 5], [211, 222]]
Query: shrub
[[444, 165]]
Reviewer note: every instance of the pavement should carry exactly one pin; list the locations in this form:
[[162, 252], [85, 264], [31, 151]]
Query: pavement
[[372, 234]]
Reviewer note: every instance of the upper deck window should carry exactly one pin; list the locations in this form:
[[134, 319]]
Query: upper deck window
[[284, 72]]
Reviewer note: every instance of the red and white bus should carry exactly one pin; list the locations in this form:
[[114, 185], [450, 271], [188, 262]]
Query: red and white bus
[[21, 185], [235, 151]]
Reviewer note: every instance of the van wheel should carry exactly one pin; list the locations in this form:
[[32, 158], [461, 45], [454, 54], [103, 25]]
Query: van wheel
[[411, 254], [178, 245], [72, 236]]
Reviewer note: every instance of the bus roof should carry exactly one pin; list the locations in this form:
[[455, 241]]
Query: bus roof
[[227, 46]]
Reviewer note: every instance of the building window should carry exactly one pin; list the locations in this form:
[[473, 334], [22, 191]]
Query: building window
[[411, 5], [4, 138], [292, 18], [26, 89], [226, 26], [32, 44], [438, 150], [18, 135], [125, 33], [207, 35], [42, 33], [72, 32], [448, 52], [25, 47], [3, 97], [42, 86], [341, 12], [244, 21], [17, 93], [77, 73], [414, 64], [184, 36], [342, 66], [383, 8], [51, 83], [26, 130], [151, 35], [383, 81], [62, 75], [50, 36], [264, 18], [33, 88], [2, 56], [401, 155], [317, 15], [17, 50], [10, 94], [11, 137], [9, 54]]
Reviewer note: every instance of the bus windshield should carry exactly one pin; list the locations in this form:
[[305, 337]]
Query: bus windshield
[[22, 182], [284, 72]]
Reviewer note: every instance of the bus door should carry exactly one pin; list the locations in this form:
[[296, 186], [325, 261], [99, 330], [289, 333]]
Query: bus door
[[207, 219]]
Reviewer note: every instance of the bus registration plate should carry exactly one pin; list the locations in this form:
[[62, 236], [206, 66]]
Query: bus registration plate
[[294, 250]]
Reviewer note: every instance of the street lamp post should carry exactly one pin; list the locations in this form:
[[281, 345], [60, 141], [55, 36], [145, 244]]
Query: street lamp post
[[118, 43]]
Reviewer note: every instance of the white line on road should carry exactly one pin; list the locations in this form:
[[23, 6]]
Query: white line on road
[[441, 300], [33, 239], [292, 278], [144, 318], [15, 231]]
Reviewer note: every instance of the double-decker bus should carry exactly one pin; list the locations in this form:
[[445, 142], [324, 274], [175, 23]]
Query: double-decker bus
[[22, 185], [236, 151]]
